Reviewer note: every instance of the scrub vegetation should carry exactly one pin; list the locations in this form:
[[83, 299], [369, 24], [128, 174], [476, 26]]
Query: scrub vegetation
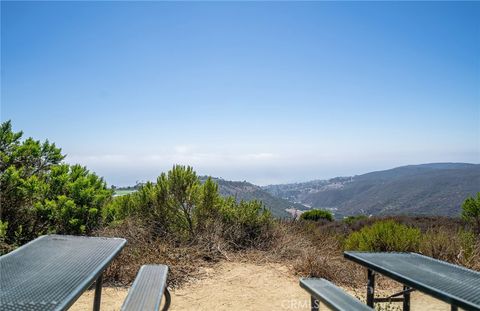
[[384, 236], [183, 221], [40, 194], [317, 215]]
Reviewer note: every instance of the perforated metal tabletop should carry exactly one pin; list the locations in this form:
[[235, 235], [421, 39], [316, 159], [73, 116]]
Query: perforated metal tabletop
[[51, 272], [453, 284]]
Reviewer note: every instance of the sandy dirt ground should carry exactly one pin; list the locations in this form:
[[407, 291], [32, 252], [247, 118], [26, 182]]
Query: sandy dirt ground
[[241, 286]]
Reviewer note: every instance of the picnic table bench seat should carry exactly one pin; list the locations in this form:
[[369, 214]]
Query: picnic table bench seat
[[332, 296], [148, 289]]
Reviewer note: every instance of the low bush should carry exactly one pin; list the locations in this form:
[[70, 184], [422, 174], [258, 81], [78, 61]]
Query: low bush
[[238, 233], [184, 260], [245, 224], [317, 215], [471, 212], [350, 220], [458, 246], [384, 236]]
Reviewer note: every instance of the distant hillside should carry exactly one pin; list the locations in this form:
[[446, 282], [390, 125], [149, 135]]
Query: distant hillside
[[243, 190], [427, 189]]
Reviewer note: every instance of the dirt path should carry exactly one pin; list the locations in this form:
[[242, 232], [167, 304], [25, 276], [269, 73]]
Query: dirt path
[[242, 286], [239, 286]]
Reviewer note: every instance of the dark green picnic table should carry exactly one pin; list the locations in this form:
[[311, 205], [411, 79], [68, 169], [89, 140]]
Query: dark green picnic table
[[455, 285], [52, 271]]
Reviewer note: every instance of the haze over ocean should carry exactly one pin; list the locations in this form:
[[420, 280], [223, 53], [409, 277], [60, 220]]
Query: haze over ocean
[[267, 92]]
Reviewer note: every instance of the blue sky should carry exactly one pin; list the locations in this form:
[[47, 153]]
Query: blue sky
[[267, 92]]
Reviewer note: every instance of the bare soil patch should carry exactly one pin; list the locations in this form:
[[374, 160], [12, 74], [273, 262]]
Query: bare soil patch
[[242, 286]]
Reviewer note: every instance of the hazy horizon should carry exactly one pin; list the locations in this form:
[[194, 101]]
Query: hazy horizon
[[293, 181], [268, 92]]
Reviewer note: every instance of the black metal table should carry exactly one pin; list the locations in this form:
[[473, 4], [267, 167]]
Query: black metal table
[[52, 271], [458, 286]]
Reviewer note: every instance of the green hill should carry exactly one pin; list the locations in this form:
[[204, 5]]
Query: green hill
[[243, 190], [427, 189]]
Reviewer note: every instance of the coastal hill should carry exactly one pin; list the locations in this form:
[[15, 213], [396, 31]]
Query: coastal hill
[[436, 189], [243, 190], [426, 189]]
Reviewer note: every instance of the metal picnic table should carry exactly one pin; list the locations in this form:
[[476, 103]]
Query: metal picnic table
[[455, 285], [52, 271]]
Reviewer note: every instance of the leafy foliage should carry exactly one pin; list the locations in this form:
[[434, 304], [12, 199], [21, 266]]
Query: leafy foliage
[[180, 206], [384, 236], [316, 215], [41, 195], [471, 211], [244, 223], [73, 200], [350, 220]]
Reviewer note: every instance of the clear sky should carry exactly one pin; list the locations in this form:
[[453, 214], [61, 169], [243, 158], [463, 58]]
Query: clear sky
[[267, 92]]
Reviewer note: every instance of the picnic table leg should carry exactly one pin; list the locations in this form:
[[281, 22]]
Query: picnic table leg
[[168, 300], [315, 304], [98, 293], [370, 288], [406, 298]]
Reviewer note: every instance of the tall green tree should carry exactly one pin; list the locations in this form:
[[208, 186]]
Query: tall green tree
[[23, 168], [181, 203], [181, 206], [39, 194], [181, 189]]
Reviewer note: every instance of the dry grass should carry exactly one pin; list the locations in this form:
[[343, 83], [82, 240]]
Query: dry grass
[[312, 252], [452, 245], [309, 249], [184, 260]]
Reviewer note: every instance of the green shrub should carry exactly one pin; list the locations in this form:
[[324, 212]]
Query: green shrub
[[455, 245], [384, 236], [174, 205], [471, 211], [73, 201], [350, 220], [316, 215], [468, 241], [118, 208], [3, 230], [245, 223], [40, 194], [179, 206]]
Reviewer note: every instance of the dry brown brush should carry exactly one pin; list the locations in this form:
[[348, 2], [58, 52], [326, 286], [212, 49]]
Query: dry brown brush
[[309, 248]]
